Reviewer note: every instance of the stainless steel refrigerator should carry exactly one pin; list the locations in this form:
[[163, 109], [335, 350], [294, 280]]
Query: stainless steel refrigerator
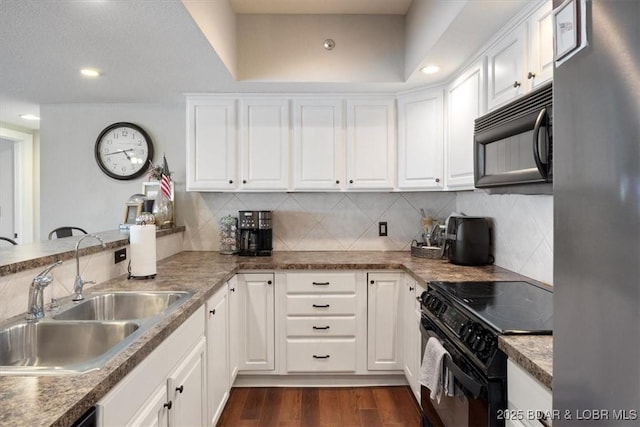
[[596, 337]]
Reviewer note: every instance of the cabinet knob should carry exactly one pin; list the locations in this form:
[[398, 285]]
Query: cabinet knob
[[372, 282], [230, 181], [337, 181], [530, 75], [212, 312], [411, 289], [437, 179], [268, 282], [516, 83], [232, 289], [244, 181], [168, 405], [180, 389], [350, 181]]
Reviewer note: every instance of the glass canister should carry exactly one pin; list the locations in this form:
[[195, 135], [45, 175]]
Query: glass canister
[[229, 235]]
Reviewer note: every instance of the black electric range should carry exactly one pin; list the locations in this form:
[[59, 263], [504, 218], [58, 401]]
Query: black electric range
[[474, 314], [468, 318]]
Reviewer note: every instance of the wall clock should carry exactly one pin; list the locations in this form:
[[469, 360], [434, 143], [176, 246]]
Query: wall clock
[[124, 151]]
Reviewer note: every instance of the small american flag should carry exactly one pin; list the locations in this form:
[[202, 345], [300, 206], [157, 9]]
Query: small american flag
[[165, 186]]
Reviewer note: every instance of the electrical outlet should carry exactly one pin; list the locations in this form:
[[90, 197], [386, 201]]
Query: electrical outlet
[[382, 228], [120, 255]]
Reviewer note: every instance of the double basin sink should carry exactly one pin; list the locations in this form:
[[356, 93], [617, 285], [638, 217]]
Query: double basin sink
[[85, 336]]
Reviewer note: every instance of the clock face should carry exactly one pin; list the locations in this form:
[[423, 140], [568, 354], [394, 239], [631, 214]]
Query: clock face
[[124, 151]]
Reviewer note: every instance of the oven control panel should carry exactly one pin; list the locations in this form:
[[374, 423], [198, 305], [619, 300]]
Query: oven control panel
[[481, 341]]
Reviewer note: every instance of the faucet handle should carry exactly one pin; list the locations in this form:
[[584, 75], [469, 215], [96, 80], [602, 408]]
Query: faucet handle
[[43, 279], [48, 269]]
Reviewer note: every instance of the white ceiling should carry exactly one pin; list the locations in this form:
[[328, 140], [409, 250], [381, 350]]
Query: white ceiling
[[153, 51], [316, 7]]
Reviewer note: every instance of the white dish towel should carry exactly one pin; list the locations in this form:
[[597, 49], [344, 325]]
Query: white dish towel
[[431, 368]]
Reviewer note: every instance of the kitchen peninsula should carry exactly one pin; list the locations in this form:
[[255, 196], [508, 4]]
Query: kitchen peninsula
[[60, 400]]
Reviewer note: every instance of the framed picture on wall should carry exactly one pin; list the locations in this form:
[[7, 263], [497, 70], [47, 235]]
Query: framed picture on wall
[[150, 189], [569, 30], [131, 212]]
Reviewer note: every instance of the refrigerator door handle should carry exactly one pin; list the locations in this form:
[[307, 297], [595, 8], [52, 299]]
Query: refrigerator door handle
[[543, 168]]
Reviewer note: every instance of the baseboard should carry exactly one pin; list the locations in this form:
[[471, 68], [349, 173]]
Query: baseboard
[[319, 380]]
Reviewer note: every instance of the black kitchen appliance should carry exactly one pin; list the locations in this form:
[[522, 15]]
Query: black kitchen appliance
[[513, 144], [468, 240], [255, 233], [467, 318]]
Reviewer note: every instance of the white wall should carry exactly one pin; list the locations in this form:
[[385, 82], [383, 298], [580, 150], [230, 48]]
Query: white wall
[[523, 230], [74, 191]]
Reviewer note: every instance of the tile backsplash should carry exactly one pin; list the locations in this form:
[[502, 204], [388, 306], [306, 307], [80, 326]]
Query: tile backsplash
[[349, 221], [320, 221], [523, 230]]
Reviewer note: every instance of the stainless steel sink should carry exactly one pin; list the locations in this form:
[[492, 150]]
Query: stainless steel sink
[[84, 337], [124, 306], [59, 347]]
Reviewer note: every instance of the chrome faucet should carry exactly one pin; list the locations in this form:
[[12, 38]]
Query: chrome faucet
[[79, 283], [35, 310]]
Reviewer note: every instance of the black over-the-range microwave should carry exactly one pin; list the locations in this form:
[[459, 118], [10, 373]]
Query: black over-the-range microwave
[[513, 144]]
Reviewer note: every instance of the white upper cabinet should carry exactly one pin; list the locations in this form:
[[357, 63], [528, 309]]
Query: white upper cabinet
[[540, 68], [466, 101], [264, 144], [506, 64], [318, 144], [211, 144], [420, 141], [370, 144], [522, 59]]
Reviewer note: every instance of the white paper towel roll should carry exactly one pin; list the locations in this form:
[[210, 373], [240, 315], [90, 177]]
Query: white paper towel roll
[[143, 250]]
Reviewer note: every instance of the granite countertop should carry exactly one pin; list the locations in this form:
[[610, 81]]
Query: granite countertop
[[58, 400], [14, 259], [533, 352]]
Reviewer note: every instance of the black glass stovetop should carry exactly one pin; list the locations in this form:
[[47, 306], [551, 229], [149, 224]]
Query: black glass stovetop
[[510, 307]]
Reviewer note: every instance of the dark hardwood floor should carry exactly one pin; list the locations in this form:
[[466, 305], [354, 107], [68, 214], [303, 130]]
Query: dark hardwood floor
[[326, 406]]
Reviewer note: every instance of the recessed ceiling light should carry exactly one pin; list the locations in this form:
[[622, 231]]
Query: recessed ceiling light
[[430, 69], [29, 117], [89, 72]]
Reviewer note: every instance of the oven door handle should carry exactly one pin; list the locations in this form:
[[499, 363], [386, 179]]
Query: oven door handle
[[473, 387]]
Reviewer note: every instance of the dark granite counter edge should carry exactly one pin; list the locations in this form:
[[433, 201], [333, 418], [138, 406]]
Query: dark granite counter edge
[[514, 353], [41, 261]]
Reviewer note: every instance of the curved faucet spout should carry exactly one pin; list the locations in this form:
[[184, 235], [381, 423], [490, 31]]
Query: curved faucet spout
[[79, 283]]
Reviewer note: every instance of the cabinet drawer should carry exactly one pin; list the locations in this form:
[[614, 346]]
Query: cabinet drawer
[[321, 355], [321, 283], [321, 305], [321, 326]]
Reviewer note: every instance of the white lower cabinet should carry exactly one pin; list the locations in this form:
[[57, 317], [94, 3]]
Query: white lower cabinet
[[322, 328], [256, 335], [527, 398], [218, 384], [147, 395], [233, 328], [384, 323], [411, 339], [186, 389]]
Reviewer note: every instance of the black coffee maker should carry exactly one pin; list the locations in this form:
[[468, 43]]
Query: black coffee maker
[[255, 233]]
